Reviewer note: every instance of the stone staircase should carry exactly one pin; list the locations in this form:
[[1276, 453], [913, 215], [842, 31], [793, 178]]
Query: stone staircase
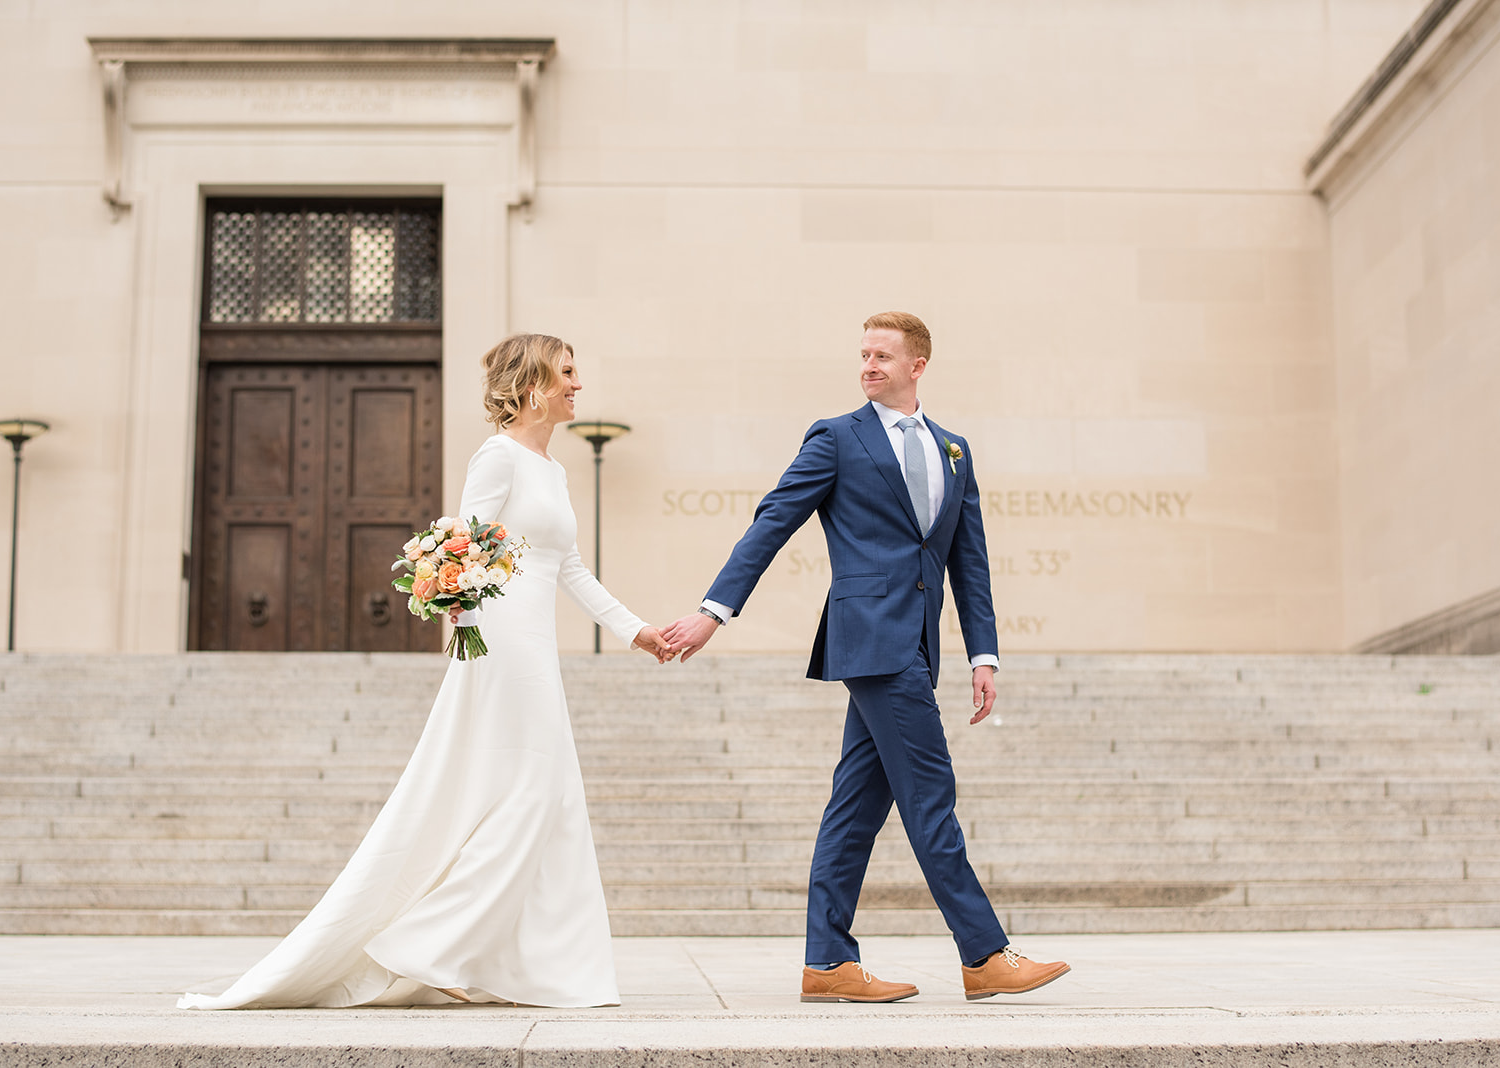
[[214, 793]]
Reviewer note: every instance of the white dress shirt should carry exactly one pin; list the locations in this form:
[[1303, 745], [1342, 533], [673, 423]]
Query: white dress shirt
[[889, 417]]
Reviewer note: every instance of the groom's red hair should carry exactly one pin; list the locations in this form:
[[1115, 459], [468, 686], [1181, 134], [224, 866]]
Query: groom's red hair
[[918, 339]]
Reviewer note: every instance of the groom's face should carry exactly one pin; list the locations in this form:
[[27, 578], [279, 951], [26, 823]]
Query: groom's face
[[888, 372]]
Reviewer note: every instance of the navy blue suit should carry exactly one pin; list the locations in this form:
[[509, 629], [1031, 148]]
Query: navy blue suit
[[880, 636]]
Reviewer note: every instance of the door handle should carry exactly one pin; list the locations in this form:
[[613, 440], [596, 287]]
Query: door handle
[[378, 608], [259, 610]]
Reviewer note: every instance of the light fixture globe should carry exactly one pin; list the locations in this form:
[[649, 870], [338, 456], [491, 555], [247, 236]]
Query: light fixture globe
[[19, 431], [597, 433]]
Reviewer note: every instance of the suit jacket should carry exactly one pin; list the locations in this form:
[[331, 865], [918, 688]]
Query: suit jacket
[[887, 579]]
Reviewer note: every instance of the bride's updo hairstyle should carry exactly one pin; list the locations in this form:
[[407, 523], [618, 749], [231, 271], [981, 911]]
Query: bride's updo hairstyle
[[519, 372]]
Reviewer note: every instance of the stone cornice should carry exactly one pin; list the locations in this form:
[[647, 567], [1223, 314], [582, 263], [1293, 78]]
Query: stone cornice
[[122, 58], [1410, 68], [372, 50]]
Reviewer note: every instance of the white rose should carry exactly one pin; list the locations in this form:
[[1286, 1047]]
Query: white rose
[[497, 576], [428, 544], [473, 548], [445, 523], [409, 546], [460, 526]]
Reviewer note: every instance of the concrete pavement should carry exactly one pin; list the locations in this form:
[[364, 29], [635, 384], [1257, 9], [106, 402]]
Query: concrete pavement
[[1318, 998]]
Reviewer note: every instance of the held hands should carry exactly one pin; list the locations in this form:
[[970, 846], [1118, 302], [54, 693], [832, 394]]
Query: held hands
[[689, 634], [984, 692], [650, 640]]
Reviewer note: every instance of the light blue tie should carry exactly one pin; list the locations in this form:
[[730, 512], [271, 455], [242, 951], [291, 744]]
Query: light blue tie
[[916, 470]]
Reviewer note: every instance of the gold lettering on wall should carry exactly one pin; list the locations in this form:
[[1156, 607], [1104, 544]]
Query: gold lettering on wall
[[1090, 504], [1115, 503], [710, 502]]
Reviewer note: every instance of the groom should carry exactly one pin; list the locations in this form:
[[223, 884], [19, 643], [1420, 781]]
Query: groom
[[899, 506]]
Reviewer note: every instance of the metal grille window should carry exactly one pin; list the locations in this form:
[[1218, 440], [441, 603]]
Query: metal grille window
[[352, 263]]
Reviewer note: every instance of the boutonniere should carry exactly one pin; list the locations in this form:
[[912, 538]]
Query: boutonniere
[[955, 454]]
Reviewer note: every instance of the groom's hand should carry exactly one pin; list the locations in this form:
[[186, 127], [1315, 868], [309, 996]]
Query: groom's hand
[[984, 692], [689, 634], [650, 640]]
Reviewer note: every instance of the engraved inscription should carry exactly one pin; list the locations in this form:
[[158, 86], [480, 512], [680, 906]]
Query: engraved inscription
[[1121, 503]]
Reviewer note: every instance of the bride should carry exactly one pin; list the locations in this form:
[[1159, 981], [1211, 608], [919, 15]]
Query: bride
[[478, 880]]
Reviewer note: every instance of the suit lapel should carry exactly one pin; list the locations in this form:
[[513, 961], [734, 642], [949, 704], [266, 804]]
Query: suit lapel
[[871, 434], [950, 475]]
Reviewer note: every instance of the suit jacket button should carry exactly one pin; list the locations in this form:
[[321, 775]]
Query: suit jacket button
[[920, 586]]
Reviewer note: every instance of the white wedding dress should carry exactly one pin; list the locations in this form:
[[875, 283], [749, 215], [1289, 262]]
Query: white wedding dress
[[479, 873]]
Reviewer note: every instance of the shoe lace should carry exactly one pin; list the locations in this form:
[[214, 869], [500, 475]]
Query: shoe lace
[[1011, 957], [865, 972]]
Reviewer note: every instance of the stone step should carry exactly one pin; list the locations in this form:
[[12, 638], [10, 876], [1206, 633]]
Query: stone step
[[1076, 794], [979, 832], [789, 874], [1028, 921], [718, 895], [791, 922], [293, 861], [1082, 736], [667, 782], [1013, 817]]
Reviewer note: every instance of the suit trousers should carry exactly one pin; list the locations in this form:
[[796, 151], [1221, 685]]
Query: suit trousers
[[894, 749]]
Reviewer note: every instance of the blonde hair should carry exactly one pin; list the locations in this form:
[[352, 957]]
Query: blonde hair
[[918, 340], [519, 372]]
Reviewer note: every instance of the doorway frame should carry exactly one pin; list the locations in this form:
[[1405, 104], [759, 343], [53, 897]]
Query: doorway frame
[[206, 121]]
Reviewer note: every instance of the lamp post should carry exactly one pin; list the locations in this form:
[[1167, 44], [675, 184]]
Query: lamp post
[[18, 432], [598, 435]]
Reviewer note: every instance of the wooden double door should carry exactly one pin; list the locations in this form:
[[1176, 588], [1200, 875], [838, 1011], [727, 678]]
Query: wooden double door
[[311, 474]]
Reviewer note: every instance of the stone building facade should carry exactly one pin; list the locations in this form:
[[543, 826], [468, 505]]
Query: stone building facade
[[1219, 398]]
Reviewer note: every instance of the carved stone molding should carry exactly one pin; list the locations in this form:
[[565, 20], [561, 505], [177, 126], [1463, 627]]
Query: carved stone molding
[[1411, 77], [165, 82], [1469, 628]]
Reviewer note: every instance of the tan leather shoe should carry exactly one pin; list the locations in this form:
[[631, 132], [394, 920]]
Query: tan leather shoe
[[1007, 972], [455, 994], [850, 982]]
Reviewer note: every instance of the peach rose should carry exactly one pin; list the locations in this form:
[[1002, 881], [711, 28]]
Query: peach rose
[[457, 545], [424, 589], [447, 577]]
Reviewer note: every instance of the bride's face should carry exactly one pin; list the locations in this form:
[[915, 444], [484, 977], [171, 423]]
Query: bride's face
[[560, 399]]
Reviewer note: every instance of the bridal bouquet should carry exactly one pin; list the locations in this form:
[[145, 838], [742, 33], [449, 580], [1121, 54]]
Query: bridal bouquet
[[458, 564]]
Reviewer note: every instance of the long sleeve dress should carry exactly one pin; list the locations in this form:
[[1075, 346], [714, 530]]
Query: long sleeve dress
[[479, 873]]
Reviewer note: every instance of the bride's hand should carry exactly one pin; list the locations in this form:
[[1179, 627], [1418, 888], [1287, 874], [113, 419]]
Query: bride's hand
[[650, 640], [453, 614]]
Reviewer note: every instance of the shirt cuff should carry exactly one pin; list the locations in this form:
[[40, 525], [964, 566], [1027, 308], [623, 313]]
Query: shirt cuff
[[984, 660], [723, 611]]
